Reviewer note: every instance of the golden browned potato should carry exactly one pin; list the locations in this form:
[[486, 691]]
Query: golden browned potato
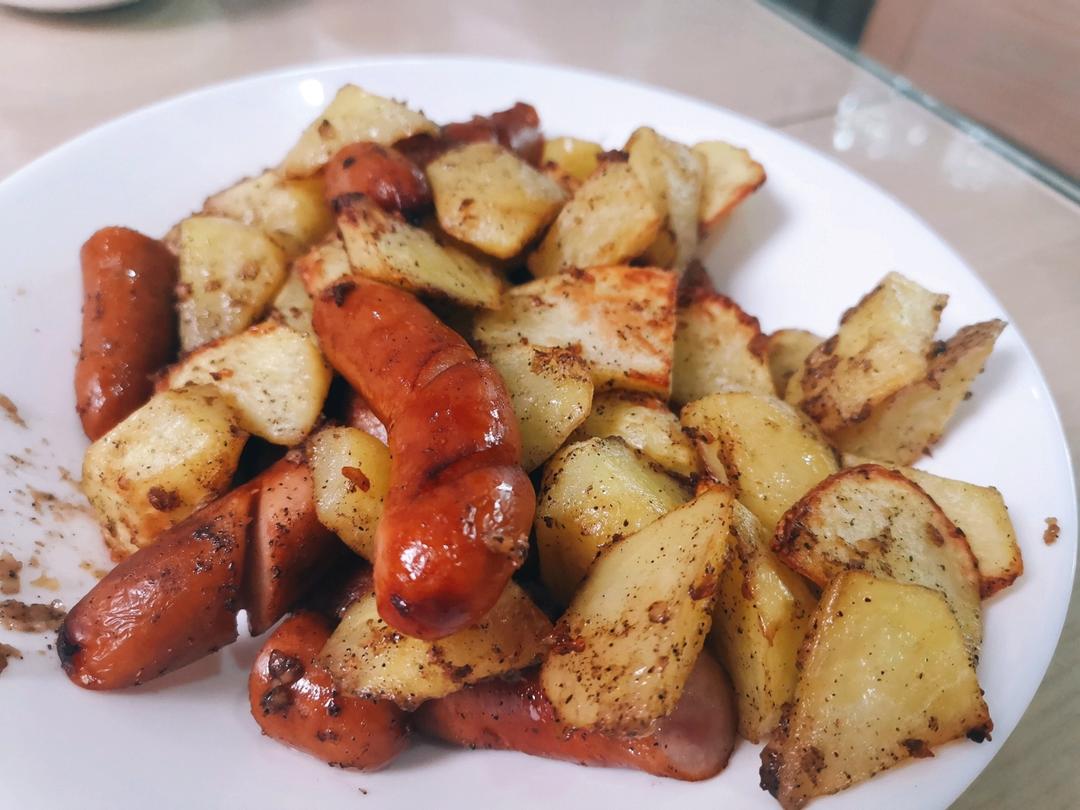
[[762, 612], [551, 391], [620, 319], [574, 156], [369, 658], [609, 220], [718, 347], [787, 351], [229, 273], [646, 423], [884, 677], [594, 492], [881, 348], [351, 474], [873, 519], [490, 198], [169, 457], [672, 174], [731, 175], [980, 513], [293, 305], [293, 213], [275, 379], [323, 265], [769, 453], [905, 425], [353, 115], [623, 650], [384, 247]]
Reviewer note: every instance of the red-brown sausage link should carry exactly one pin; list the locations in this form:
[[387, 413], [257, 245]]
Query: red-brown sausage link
[[293, 699], [517, 128], [456, 521], [380, 172], [693, 743], [129, 325]]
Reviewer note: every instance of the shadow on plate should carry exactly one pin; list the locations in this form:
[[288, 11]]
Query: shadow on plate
[[748, 228]]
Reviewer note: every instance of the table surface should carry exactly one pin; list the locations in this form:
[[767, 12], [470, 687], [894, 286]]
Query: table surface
[[60, 75]]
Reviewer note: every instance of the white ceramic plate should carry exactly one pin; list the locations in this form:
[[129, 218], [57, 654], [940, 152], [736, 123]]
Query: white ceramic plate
[[801, 250]]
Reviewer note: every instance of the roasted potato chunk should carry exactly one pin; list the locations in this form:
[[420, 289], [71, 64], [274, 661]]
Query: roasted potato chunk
[[351, 474], [168, 458], [731, 175], [620, 319], [275, 379], [551, 391], [762, 612], [291, 212], [323, 265], [369, 658], [646, 423], [490, 198], [718, 347], [594, 492], [574, 156], [873, 519], [905, 425], [769, 453], [673, 175], [884, 677], [384, 247], [293, 305], [229, 273], [980, 513], [787, 352], [353, 115], [881, 348], [623, 650], [609, 220]]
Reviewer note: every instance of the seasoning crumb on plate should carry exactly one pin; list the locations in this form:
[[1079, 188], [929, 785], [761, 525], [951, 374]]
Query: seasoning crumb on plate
[[35, 618], [9, 574], [6, 652], [1053, 531]]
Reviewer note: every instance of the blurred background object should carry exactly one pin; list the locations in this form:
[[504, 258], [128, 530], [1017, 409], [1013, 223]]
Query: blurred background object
[[1012, 66]]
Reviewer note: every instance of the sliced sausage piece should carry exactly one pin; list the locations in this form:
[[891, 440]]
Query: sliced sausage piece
[[129, 327], [693, 743], [381, 173], [293, 699], [518, 129], [165, 606]]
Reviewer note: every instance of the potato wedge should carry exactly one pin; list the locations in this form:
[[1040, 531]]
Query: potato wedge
[[609, 220], [620, 319], [903, 427], [884, 677], [880, 349], [574, 156], [645, 423], [388, 249], [769, 453], [490, 198], [229, 273], [551, 391], [623, 650], [353, 115], [673, 176], [172, 455], [323, 265], [874, 519], [291, 212], [293, 305], [787, 351], [594, 492], [718, 347], [762, 612], [351, 473], [731, 175], [275, 379], [369, 658], [981, 514]]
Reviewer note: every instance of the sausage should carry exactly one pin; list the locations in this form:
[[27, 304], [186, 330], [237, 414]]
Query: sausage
[[380, 172], [289, 549], [165, 606], [293, 699], [517, 129], [358, 414], [129, 327], [693, 743], [456, 521]]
